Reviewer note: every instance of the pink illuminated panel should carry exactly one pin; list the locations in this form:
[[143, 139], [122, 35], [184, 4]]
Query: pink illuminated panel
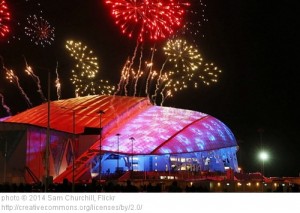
[[151, 130], [205, 134]]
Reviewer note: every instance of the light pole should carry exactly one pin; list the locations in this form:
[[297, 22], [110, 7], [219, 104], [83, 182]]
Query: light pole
[[48, 135], [101, 112], [73, 153], [132, 139], [118, 135], [263, 156]]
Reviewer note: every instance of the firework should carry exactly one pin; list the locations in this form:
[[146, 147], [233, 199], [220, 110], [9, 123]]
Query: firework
[[154, 19], [160, 78], [36, 79], [86, 69], [4, 18], [185, 57], [14, 79], [186, 68], [105, 88], [136, 74], [139, 73], [165, 93], [57, 83], [189, 65], [129, 75], [4, 105], [183, 67], [149, 66], [186, 60], [195, 19], [128, 71], [39, 30], [209, 74], [123, 77], [23, 9]]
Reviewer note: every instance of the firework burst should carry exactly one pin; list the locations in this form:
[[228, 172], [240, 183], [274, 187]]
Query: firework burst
[[104, 88], [185, 57], [39, 30], [189, 66], [186, 60], [4, 18], [209, 74], [195, 20], [86, 69], [154, 19]]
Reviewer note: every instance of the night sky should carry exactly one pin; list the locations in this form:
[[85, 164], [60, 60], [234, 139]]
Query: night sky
[[252, 42]]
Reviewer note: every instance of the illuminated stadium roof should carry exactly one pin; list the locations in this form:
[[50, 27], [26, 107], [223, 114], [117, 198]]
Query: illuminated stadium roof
[[84, 110], [156, 130]]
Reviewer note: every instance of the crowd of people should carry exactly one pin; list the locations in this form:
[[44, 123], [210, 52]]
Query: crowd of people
[[110, 186], [94, 186]]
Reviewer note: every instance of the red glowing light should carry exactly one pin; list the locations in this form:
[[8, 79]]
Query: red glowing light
[[4, 18], [152, 18]]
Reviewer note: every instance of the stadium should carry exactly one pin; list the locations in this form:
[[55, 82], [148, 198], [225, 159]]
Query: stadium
[[96, 137]]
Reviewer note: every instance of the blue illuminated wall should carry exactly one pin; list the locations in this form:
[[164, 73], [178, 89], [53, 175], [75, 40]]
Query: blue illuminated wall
[[212, 161]]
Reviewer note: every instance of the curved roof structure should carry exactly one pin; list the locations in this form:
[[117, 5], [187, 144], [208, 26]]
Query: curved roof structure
[[163, 130], [80, 112], [153, 129]]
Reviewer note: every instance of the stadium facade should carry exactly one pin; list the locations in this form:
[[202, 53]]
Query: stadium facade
[[126, 133]]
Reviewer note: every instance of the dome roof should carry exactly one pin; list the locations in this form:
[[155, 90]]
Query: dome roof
[[152, 129]]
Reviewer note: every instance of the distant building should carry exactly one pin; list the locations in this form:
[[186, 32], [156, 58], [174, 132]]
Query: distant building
[[136, 136]]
